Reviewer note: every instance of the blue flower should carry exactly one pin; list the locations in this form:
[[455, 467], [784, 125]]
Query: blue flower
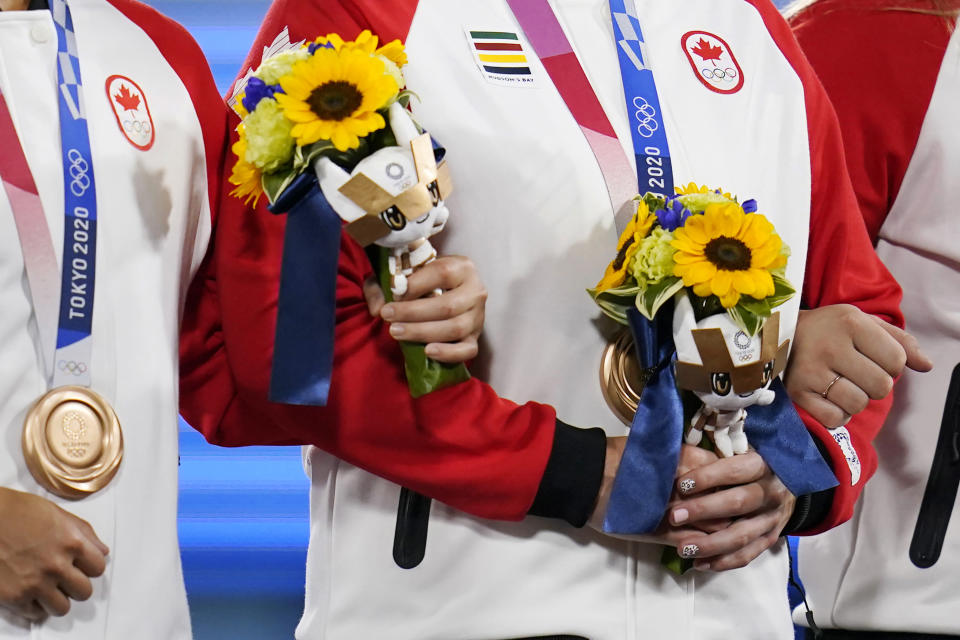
[[749, 206], [313, 46], [673, 215], [256, 91]]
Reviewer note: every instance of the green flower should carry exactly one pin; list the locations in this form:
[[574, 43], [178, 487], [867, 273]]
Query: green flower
[[269, 143], [275, 67], [653, 260], [697, 202]]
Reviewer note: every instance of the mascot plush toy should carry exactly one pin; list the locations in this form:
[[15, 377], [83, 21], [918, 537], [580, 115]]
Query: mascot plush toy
[[727, 370], [394, 197]]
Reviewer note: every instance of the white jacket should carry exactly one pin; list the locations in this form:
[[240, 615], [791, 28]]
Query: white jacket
[[154, 226]]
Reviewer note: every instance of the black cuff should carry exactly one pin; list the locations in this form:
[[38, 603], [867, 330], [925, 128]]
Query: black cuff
[[571, 481], [811, 509]]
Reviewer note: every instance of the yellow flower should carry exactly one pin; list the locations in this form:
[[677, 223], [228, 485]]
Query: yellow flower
[[335, 95], [394, 52], [693, 187], [627, 246], [245, 176], [727, 253]]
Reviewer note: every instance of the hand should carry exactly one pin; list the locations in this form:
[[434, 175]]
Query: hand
[[47, 556], [741, 487], [449, 324], [690, 458], [866, 352]]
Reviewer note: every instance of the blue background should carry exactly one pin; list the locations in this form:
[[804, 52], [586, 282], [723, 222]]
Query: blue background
[[243, 518]]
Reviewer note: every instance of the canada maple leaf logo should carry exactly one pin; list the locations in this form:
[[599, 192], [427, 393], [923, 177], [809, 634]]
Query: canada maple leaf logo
[[706, 51], [127, 100]]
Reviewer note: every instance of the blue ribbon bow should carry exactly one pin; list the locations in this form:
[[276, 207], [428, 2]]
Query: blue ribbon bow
[[304, 338]]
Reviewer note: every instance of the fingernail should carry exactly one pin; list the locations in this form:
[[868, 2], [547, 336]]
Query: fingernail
[[431, 350], [388, 312], [687, 485], [680, 516], [397, 330], [701, 566], [689, 551]]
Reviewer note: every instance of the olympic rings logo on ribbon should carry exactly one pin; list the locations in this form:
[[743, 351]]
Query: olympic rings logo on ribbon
[[728, 74], [646, 115], [78, 172], [72, 367]]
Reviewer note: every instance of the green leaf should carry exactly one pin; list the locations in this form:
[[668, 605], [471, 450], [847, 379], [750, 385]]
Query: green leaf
[[745, 319], [423, 374], [673, 562], [654, 202], [654, 296], [782, 291], [274, 183]]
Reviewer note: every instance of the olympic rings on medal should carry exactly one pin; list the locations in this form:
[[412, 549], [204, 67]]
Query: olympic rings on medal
[[78, 170], [646, 115], [72, 367], [728, 74]]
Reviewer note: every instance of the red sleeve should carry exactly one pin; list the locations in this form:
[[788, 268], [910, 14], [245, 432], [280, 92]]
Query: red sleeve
[[842, 267], [880, 114], [463, 445]]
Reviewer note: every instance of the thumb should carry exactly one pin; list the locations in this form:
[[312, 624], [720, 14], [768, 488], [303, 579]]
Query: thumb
[[916, 359], [373, 295]]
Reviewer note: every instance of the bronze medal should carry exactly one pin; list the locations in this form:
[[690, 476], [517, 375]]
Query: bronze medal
[[621, 377], [72, 442]]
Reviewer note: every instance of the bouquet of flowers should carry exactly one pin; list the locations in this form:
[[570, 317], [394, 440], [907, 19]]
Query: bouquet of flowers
[[329, 97], [728, 256], [697, 277], [326, 136]]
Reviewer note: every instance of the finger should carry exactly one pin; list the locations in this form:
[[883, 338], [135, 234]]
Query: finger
[[676, 536], [54, 602], [865, 373], [880, 348], [76, 585], [29, 609], [741, 557], [916, 359], [449, 305], [373, 294], [447, 272], [847, 396], [737, 536], [823, 411], [692, 457], [453, 353], [91, 535], [729, 503], [452, 330], [90, 559], [725, 472]]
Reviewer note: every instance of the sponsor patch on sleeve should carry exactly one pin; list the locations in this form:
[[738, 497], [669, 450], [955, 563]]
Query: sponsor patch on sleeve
[[842, 436], [502, 57]]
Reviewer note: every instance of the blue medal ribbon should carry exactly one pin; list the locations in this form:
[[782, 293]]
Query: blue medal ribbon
[[80, 203], [647, 127]]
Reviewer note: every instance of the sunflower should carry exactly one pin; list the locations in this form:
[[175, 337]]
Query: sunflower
[[693, 187], [727, 253], [335, 95], [245, 175], [627, 246]]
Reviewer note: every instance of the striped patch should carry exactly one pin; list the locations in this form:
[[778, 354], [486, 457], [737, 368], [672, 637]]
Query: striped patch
[[501, 56]]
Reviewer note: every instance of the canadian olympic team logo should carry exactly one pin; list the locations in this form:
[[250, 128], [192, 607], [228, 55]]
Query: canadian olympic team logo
[[712, 61], [130, 107]]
